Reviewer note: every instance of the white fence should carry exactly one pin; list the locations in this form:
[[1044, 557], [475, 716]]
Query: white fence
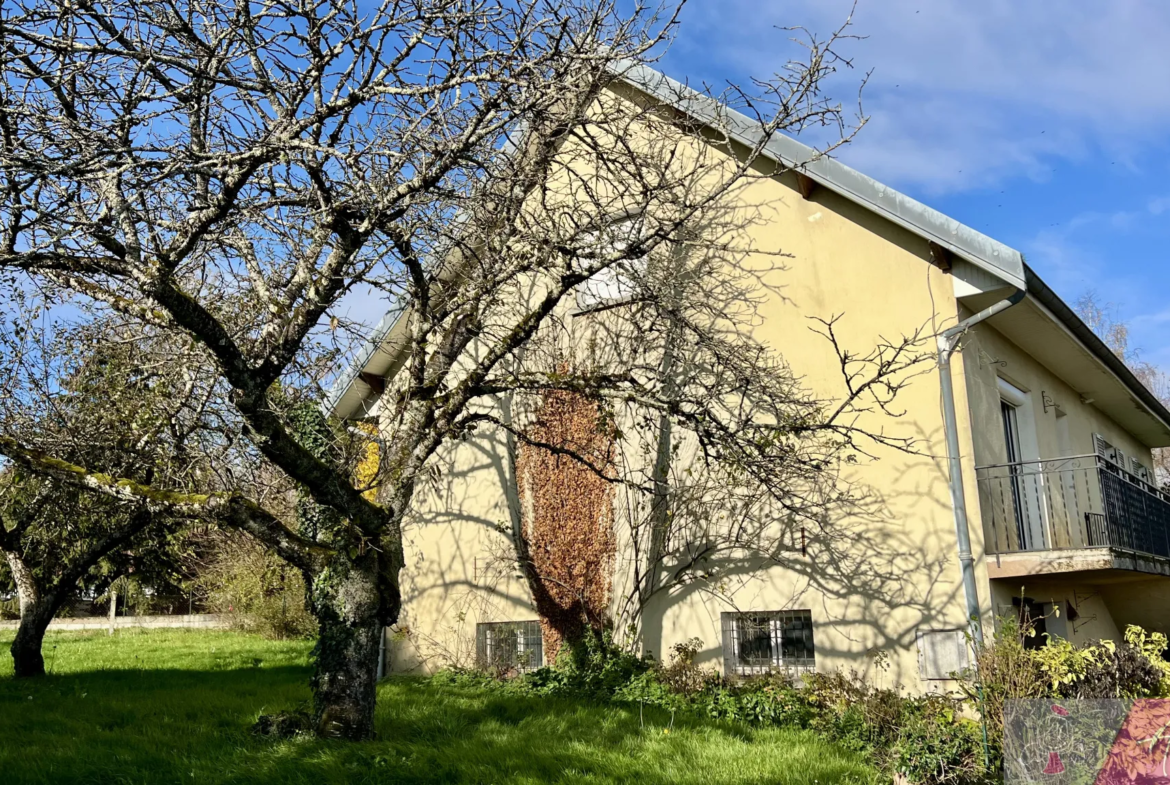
[[193, 621]]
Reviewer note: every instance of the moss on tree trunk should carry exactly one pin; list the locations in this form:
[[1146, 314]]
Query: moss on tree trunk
[[346, 601]]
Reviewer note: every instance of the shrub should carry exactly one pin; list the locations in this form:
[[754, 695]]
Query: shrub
[[1100, 669], [773, 699], [1152, 646], [1134, 668], [595, 666], [683, 685], [1004, 670], [925, 738], [255, 590], [936, 745]]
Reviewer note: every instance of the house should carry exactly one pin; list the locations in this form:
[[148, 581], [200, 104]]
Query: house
[[1043, 463]]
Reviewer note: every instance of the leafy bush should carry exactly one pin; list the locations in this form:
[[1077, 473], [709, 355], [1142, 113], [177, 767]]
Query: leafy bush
[[1152, 646], [255, 590], [773, 699], [928, 739], [9, 608], [1100, 669], [935, 744], [594, 667], [683, 675], [1006, 670], [925, 738]]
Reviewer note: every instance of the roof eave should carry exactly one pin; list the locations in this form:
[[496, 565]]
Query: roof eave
[[970, 244], [1060, 310]]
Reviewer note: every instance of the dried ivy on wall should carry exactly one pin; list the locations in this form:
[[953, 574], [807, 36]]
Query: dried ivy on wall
[[568, 515]]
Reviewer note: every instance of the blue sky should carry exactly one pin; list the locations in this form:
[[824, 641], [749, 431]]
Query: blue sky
[[1044, 124]]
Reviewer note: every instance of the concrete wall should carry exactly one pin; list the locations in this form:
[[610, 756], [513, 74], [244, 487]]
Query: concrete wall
[[1054, 422], [193, 621], [873, 579], [1067, 427]]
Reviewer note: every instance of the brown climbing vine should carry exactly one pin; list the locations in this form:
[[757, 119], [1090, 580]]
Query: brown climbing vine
[[568, 534]]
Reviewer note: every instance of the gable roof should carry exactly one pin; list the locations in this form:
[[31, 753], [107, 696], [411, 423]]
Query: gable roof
[[1003, 263], [977, 248]]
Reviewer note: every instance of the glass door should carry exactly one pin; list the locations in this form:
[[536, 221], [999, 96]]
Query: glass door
[[1011, 438]]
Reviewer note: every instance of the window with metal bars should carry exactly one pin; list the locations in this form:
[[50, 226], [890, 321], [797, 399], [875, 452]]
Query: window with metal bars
[[763, 641], [509, 646]]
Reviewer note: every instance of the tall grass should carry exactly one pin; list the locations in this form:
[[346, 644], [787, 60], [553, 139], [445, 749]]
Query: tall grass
[[175, 706]]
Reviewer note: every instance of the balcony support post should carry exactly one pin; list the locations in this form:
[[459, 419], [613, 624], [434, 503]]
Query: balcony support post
[[948, 341]]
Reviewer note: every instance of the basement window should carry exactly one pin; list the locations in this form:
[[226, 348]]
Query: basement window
[[509, 646], [756, 642]]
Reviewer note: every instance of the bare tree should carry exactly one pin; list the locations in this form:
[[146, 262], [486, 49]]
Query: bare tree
[[226, 173], [718, 458]]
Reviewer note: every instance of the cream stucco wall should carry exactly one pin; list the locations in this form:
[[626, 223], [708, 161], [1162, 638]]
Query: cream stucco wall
[[874, 579], [872, 582], [991, 355], [1054, 423]]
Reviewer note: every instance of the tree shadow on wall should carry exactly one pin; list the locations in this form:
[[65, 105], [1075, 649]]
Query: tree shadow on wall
[[874, 580]]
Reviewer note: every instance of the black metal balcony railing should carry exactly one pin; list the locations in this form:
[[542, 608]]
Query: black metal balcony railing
[[1079, 502]]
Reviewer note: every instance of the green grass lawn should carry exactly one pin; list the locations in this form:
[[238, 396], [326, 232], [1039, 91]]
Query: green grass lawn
[[175, 706]]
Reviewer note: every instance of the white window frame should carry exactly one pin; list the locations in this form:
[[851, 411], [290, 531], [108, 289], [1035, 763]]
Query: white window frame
[[606, 289], [495, 633]]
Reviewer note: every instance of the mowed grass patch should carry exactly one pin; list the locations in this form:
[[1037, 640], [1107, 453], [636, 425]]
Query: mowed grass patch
[[176, 707]]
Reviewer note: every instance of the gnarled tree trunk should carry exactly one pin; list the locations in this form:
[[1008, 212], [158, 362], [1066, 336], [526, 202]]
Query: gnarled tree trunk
[[27, 658], [347, 604], [35, 614]]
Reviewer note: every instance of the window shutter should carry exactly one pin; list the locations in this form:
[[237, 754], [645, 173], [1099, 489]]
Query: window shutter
[[941, 653], [1106, 450]]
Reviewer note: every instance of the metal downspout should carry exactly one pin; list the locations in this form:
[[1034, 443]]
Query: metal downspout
[[380, 673], [948, 341]]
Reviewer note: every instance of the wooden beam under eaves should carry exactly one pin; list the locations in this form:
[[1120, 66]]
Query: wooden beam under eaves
[[940, 257], [805, 184], [373, 381]]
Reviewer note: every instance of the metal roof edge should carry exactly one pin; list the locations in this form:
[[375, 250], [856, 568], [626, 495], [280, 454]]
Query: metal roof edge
[[934, 226], [970, 244], [349, 375], [1038, 289]]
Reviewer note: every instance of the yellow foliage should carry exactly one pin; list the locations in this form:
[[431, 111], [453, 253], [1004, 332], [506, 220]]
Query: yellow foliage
[[367, 468]]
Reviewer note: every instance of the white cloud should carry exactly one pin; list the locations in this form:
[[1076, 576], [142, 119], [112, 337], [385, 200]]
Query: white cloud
[[1159, 205], [964, 93]]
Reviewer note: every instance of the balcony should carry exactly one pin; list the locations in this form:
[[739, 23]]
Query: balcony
[[1072, 514]]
